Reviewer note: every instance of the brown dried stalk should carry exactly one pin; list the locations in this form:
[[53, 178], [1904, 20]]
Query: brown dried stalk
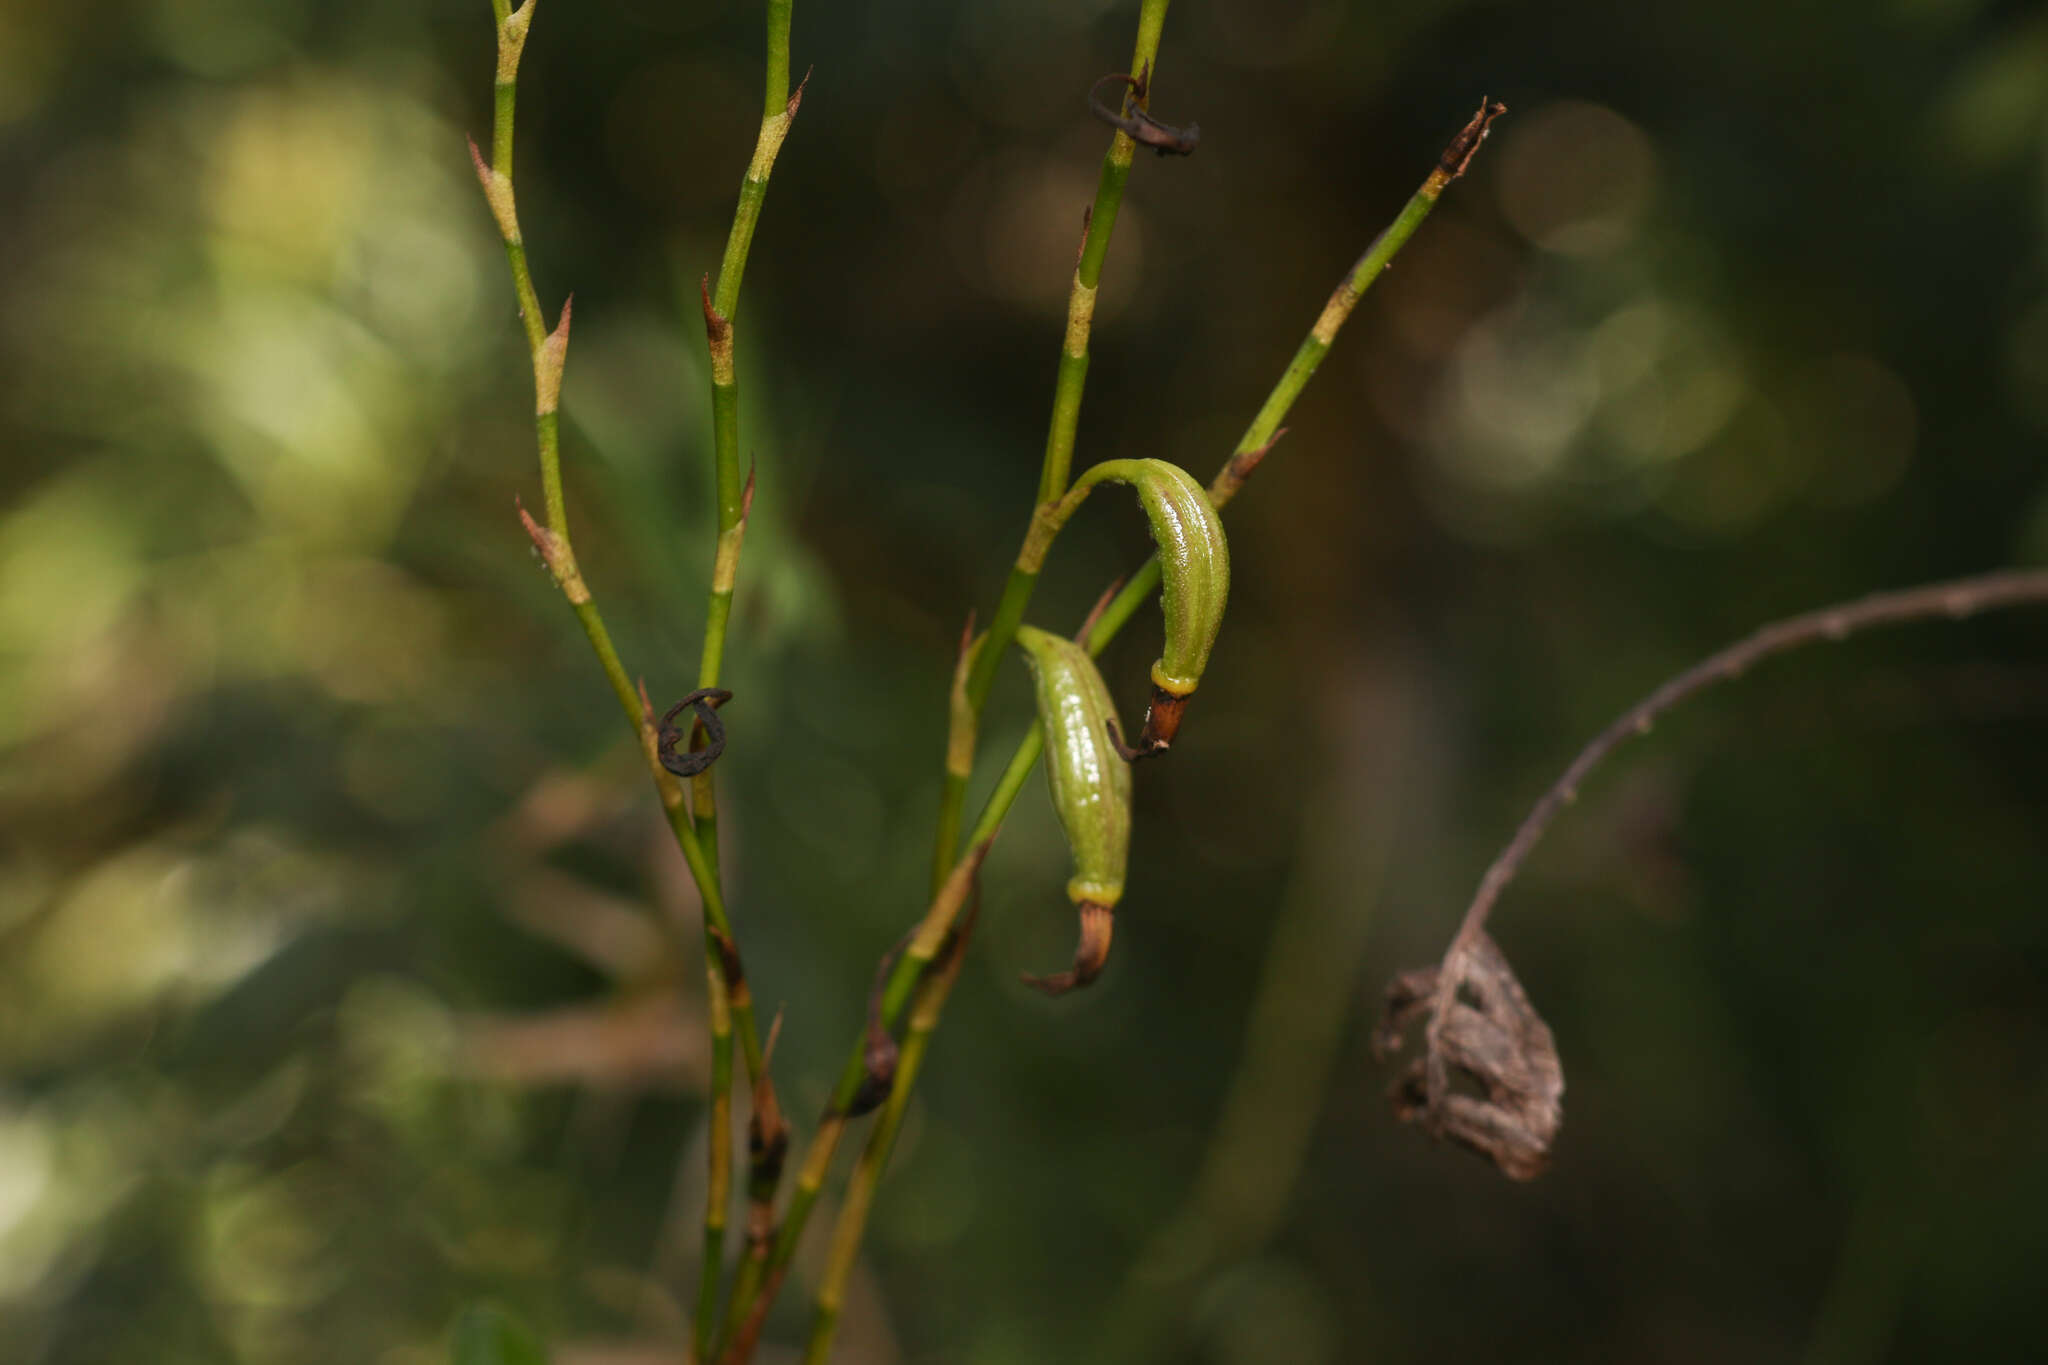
[[1481, 1027]]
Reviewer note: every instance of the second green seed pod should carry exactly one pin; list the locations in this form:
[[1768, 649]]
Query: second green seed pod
[[1091, 792]]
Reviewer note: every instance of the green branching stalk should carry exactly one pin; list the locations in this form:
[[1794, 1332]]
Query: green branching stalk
[[750, 1301], [767, 1131], [728, 1002], [938, 922], [1098, 227]]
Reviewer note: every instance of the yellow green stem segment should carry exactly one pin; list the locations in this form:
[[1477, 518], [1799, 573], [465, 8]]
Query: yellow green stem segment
[[1091, 792]]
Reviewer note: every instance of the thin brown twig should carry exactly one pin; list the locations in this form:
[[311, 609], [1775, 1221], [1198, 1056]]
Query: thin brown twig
[[1956, 599], [1481, 1026]]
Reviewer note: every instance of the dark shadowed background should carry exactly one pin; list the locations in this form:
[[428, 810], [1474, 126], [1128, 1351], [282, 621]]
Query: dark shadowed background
[[328, 994]]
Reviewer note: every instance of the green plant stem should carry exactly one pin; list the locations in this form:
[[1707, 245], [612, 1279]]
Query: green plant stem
[[718, 1190], [753, 1295], [1251, 449], [767, 1131], [874, 1158], [726, 1000], [1071, 379], [721, 307]]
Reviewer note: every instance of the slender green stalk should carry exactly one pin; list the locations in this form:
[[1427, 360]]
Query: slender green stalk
[[1109, 197], [748, 1305], [1251, 449], [768, 1133], [720, 309], [874, 1158], [718, 1192], [1072, 378], [727, 1001]]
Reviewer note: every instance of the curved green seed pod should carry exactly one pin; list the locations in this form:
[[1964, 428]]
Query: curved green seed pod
[[1194, 578], [1194, 584], [1194, 571], [1091, 792]]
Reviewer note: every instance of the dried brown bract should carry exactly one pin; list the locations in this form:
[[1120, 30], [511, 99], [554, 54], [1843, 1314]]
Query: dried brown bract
[[1482, 1036]]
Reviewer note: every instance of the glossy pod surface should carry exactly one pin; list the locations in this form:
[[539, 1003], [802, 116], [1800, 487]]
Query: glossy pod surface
[[1090, 787], [1194, 565]]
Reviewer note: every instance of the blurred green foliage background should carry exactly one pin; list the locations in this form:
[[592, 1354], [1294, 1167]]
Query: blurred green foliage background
[[329, 993]]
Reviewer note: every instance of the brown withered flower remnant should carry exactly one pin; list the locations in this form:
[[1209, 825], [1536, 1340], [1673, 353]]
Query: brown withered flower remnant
[[1482, 1034]]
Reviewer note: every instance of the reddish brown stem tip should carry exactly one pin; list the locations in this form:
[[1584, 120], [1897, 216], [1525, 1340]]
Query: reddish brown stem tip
[[1162, 727], [1098, 923]]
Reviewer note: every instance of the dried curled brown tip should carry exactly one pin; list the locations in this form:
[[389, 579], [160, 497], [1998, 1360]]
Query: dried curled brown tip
[[1098, 923], [1458, 156], [796, 96], [1139, 125], [1481, 1032], [704, 703], [1162, 727]]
